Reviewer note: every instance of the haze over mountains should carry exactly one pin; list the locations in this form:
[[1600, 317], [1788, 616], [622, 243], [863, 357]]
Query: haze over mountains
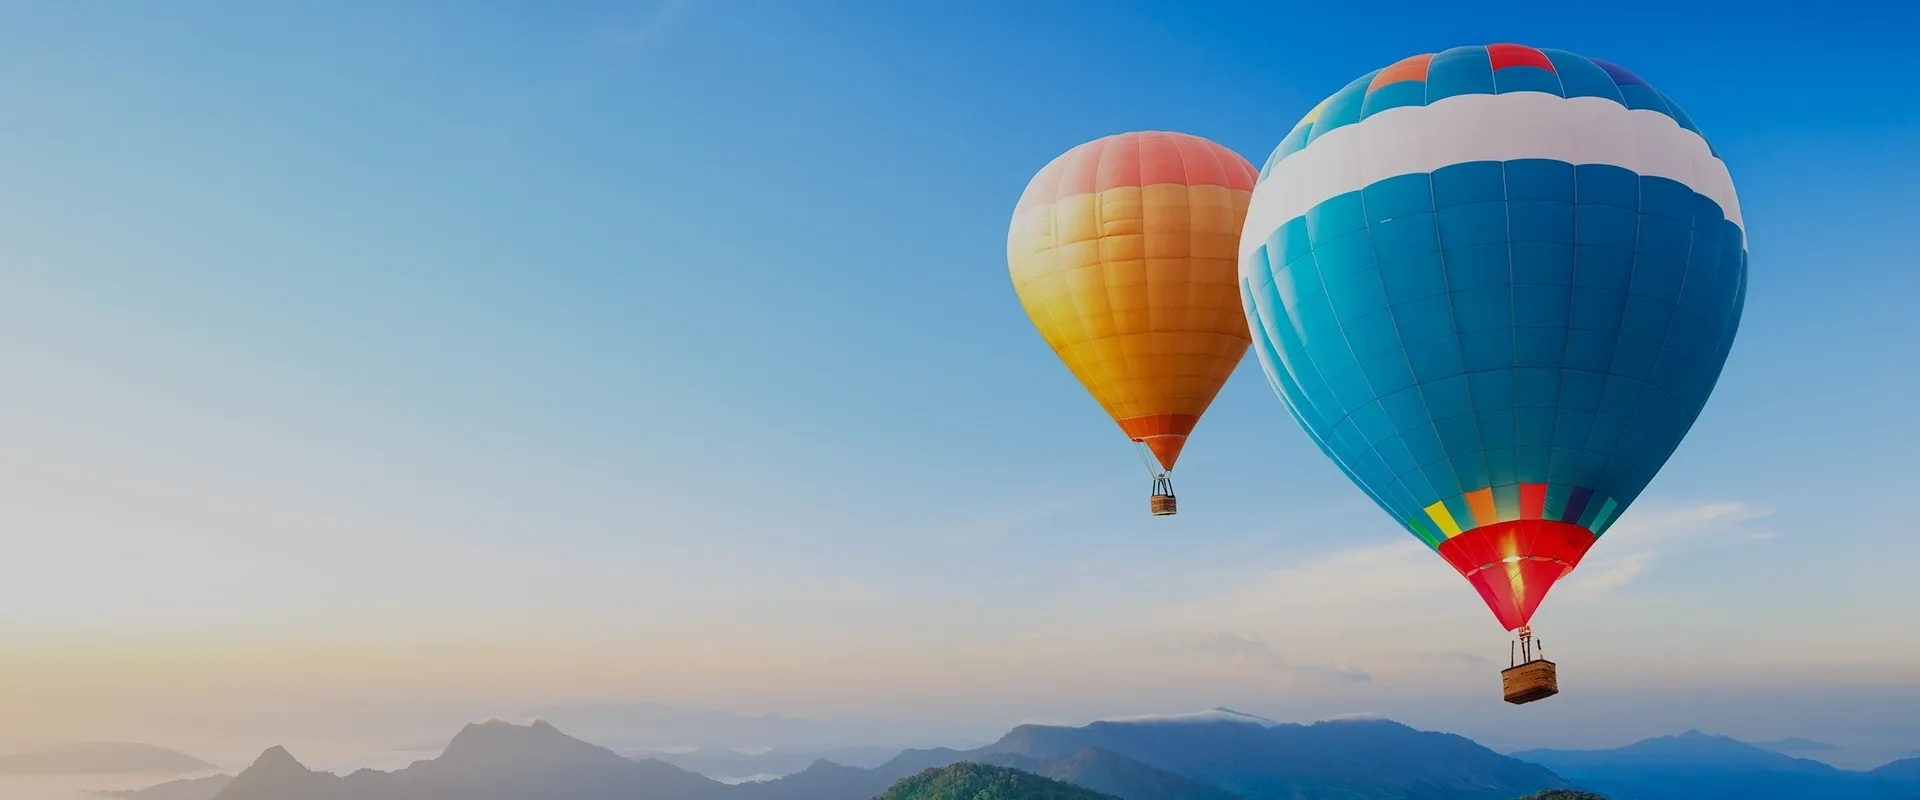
[[732, 766], [1133, 760], [1218, 754], [101, 758], [1694, 765], [1205, 757], [183, 789], [642, 727]]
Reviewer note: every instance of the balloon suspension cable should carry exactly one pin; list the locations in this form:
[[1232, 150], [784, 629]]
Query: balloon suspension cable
[[1161, 502], [1147, 459], [1529, 649], [1162, 479]]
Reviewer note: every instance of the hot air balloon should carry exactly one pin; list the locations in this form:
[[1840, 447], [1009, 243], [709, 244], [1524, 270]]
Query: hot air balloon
[[1496, 285], [1123, 253]]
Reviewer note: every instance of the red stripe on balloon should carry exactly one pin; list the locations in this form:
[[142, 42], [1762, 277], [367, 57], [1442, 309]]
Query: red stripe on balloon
[[1146, 158], [1513, 564], [1517, 55], [1533, 500]]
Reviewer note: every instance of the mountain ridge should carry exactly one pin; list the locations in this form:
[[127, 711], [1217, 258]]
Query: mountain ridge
[[102, 758], [1904, 769], [1190, 758], [182, 789], [1212, 755], [1693, 764]]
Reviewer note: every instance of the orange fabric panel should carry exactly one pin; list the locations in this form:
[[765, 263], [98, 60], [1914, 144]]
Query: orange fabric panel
[[1135, 286], [1138, 159], [1481, 503], [1140, 429], [1412, 68]]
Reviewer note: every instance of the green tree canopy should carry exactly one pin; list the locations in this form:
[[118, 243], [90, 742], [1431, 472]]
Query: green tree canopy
[[970, 781]]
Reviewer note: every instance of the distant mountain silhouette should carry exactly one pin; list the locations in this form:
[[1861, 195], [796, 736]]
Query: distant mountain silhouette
[[633, 727], [491, 761], [1907, 769], [183, 789], [1691, 750], [728, 765], [1191, 757], [1258, 759], [1111, 773], [102, 758], [1217, 714], [824, 780], [276, 774], [1794, 745], [971, 781], [1699, 766]]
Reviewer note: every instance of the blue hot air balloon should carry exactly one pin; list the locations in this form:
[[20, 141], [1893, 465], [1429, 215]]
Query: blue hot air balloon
[[1496, 286]]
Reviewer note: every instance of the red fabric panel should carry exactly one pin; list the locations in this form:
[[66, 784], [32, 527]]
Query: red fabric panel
[[1533, 500], [1142, 158], [1513, 564], [1517, 55]]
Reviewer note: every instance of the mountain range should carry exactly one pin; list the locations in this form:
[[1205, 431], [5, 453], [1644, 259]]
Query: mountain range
[[732, 766], [1215, 757], [1695, 765], [183, 789], [102, 758]]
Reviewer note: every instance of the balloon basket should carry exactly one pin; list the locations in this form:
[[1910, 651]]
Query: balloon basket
[[1534, 680], [1163, 505], [1530, 675]]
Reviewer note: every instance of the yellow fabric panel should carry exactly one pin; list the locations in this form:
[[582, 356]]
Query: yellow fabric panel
[[1135, 289], [1443, 518]]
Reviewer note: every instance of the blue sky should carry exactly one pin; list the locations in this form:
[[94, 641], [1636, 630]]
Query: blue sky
[[682, 334]]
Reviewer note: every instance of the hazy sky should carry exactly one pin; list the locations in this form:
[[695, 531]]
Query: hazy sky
[[467, 357]]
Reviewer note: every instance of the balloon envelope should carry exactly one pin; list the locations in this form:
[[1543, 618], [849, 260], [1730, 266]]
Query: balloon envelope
[[1123, 253], [1496, 286]]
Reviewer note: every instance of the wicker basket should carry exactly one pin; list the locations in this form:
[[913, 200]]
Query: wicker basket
[[1163, 505], [1534, 680]]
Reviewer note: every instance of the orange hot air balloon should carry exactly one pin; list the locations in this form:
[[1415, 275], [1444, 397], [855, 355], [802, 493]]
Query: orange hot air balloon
[[1125, 253]]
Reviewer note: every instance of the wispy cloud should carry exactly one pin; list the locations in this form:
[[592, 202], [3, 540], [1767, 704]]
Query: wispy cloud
[[1255, 658], [1397, 613], [1339, 596], [1450, 658], [1649, 534], [1610, 574]]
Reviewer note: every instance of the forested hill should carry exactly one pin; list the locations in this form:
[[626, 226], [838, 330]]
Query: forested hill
[[971, 781]]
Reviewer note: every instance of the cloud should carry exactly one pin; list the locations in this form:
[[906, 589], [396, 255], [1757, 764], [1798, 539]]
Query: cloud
[[1353, 605], [1612, 574], [1644, 524], [1649, 534], [1255, 658], [1396, 614], [1450, 658]]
